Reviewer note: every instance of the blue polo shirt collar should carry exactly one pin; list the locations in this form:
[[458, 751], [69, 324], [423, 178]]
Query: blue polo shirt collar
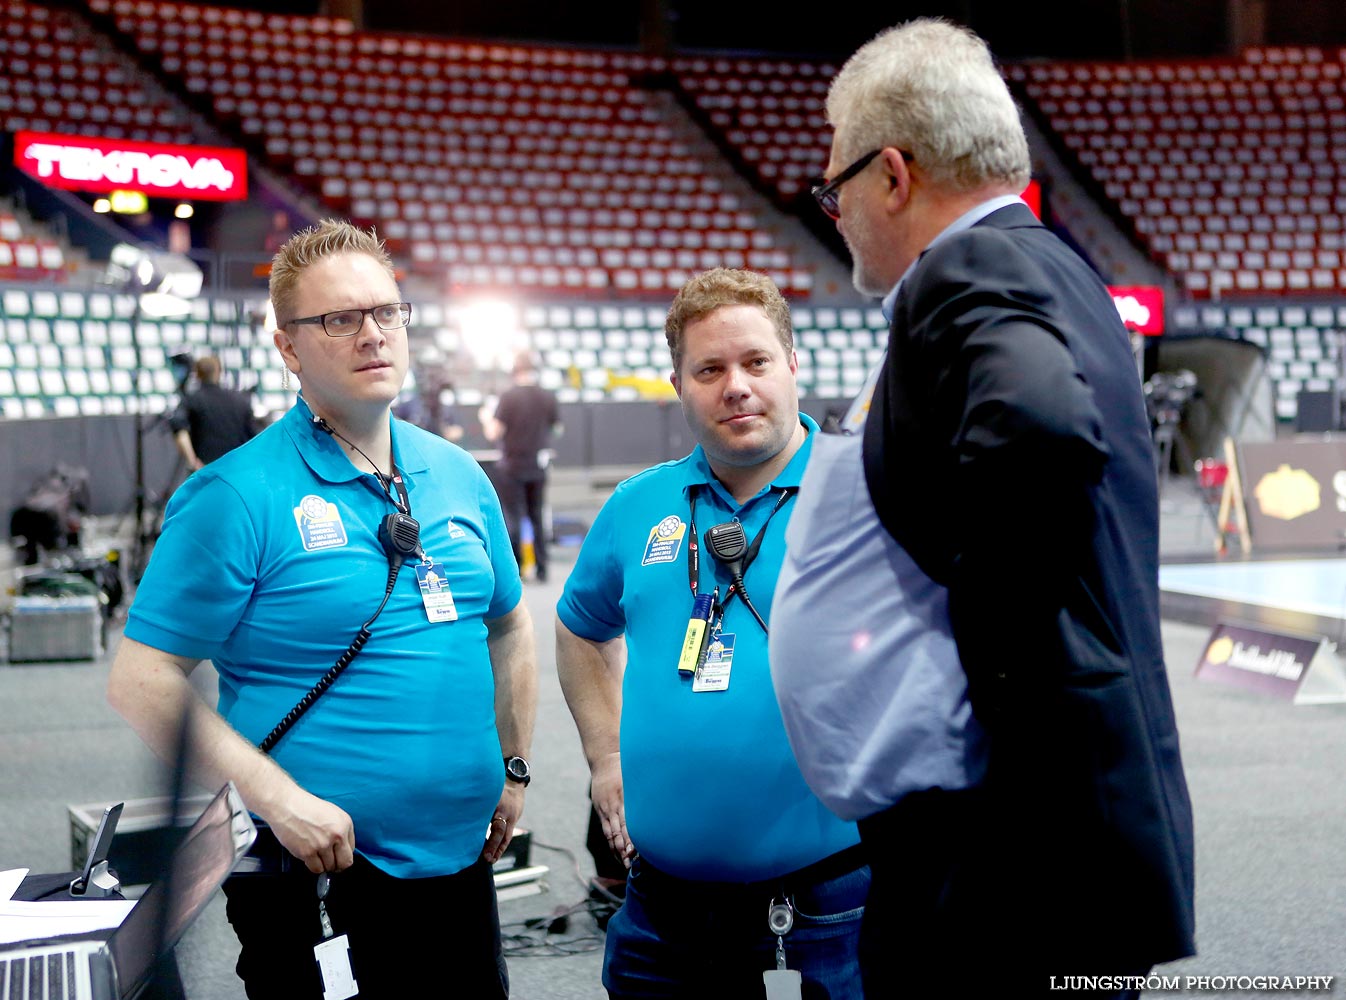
[[699, 474], [325, 458]]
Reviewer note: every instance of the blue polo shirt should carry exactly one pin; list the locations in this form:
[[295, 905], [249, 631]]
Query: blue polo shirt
[[268, 565], [711, 788]]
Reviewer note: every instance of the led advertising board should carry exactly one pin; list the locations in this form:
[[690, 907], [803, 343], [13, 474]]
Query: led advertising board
[[83, 163]]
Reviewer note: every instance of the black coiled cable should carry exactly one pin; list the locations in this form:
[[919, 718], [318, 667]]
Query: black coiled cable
[[329, 678]]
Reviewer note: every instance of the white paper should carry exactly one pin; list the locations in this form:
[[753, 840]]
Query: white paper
[[10, 882], [21, 921]]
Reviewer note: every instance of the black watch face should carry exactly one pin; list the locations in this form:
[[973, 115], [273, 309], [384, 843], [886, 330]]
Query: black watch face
[[517, 768]]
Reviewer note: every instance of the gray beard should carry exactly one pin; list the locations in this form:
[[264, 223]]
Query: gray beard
[[864, 283]]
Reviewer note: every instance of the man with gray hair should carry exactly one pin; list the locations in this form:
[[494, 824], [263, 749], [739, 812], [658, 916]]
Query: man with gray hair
[[976, 564]]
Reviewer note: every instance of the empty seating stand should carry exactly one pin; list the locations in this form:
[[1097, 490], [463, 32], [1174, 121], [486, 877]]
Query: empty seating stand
[[551, 172], [56, 75], [1303, 342], [68, 353], [72, 353], [1230, 170], [769, 111], [25, 257], [510, 167]]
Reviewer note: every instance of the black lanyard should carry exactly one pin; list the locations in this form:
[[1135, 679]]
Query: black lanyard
[[401, 498], [693, 548]]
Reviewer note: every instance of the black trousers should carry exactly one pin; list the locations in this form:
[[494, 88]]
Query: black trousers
[[408, 937], [521, 498], [924, 935]]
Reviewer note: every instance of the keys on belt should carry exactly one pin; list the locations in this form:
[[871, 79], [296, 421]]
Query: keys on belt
[[782, 983]]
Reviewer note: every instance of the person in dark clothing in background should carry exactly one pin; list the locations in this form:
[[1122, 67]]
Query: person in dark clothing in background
[[212, 420], [524, 421], [50, 517]]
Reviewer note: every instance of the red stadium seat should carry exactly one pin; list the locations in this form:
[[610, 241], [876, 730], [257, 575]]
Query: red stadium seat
[[1228, 152]]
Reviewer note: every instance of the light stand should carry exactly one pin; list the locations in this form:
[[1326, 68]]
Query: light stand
[[140, 542], [160, 285]]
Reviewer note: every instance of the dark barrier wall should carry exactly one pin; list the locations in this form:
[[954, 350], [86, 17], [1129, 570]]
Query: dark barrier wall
[[105, 447], [632, 433]]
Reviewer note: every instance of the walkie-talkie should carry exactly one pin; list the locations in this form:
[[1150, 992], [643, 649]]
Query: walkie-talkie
[[400, 535], [728, 543]]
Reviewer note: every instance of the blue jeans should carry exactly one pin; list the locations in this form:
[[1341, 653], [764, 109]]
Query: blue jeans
[[677, 938]]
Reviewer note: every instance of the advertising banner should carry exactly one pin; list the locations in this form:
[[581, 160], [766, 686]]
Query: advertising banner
[[83, 163], [1296, 668], [1295, 493]]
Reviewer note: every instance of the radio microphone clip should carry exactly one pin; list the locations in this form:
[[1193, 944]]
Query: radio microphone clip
[[400, 535], [728, 543]]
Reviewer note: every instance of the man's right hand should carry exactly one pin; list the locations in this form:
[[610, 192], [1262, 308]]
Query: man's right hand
[[606, 791], [152, 690], [315, 831]]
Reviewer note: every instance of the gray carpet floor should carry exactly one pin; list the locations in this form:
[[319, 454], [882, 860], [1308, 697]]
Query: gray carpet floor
[[1266, 781]]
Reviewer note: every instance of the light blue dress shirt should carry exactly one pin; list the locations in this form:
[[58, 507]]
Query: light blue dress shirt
[[863, 660]]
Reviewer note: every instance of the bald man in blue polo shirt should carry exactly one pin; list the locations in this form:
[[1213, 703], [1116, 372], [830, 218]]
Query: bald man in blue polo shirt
[[736, 870]]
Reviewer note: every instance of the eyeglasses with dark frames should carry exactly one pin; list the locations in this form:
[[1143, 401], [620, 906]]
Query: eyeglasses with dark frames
[[347, 322], [826, 194]]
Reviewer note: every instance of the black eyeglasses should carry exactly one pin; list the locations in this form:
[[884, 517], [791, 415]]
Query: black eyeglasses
[[347, 322], [826, 194]]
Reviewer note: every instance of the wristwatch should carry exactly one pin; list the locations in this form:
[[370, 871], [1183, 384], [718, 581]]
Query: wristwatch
[[516, 769]]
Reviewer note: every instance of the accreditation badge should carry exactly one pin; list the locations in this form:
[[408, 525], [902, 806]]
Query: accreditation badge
[[665, 541], [435, 593], [334, 966], [713, 675]]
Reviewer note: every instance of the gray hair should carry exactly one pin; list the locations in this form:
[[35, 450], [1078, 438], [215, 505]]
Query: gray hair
[[931, 88]]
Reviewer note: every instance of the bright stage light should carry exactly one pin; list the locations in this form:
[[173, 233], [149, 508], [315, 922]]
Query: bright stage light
[[491, 333]]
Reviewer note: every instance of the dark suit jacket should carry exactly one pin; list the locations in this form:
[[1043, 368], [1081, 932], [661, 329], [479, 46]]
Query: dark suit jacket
[[1007, 449]]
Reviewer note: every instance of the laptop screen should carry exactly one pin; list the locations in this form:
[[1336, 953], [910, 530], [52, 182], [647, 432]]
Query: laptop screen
[[198, 865]]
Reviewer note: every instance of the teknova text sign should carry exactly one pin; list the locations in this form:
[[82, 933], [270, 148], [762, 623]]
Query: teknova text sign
[[83, 163]]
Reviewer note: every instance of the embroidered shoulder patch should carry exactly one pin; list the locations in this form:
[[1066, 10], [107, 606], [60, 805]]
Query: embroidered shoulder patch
[[319, 524], [665, 540]]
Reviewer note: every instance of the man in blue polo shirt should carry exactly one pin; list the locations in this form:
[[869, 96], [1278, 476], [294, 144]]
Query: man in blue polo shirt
[[400, 658], [737, 870]]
